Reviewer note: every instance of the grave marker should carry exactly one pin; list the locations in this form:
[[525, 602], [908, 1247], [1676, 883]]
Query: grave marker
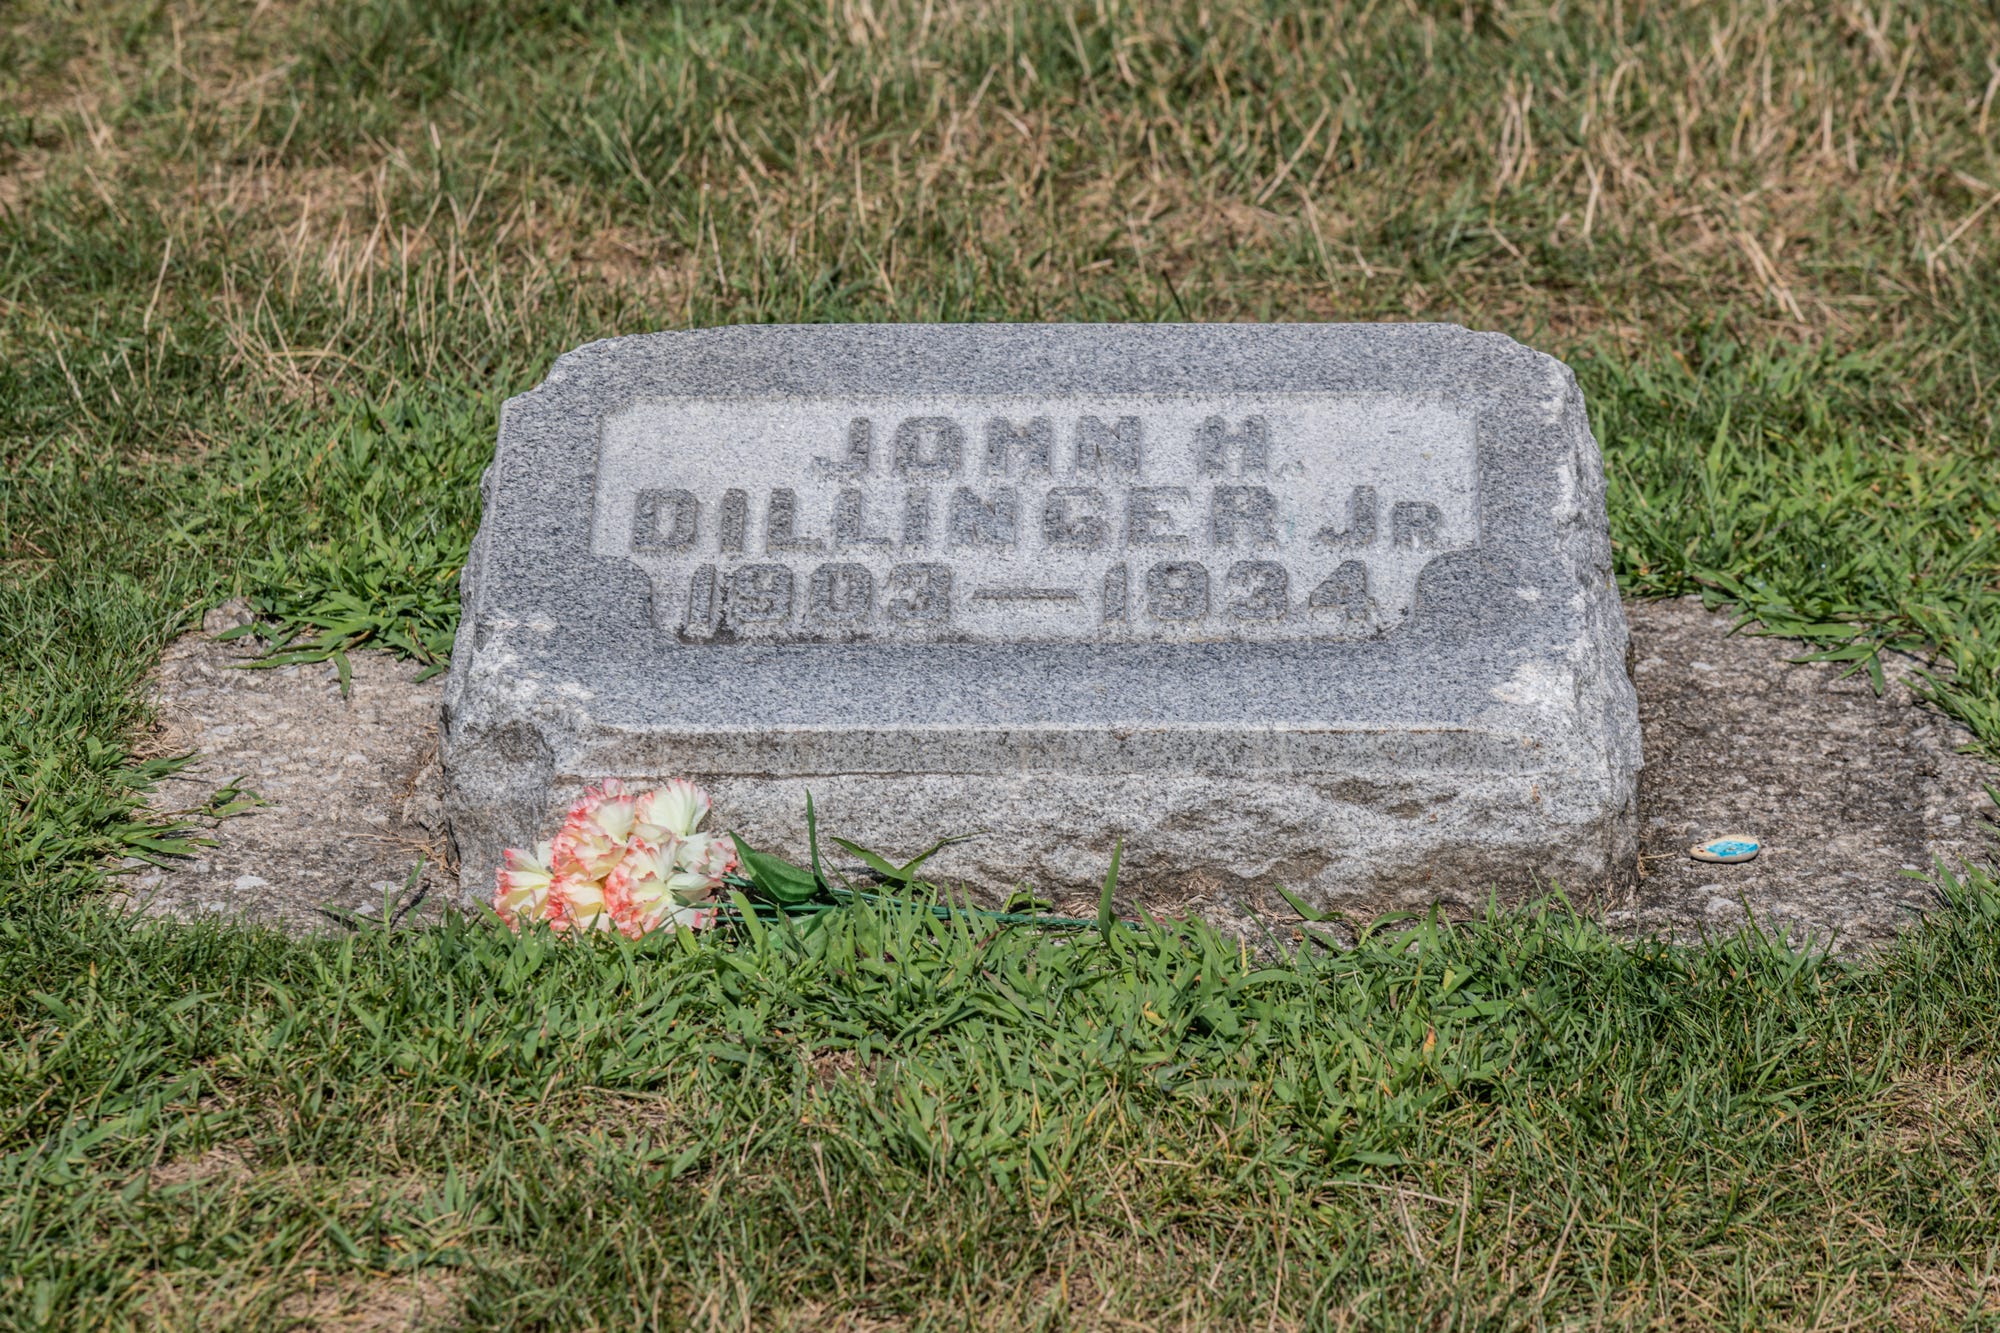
[[1327, 605]]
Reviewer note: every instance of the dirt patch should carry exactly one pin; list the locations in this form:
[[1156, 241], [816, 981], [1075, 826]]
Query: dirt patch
[[1849, 792]]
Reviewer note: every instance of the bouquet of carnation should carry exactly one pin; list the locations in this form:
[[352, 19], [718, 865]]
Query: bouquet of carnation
[[625, 861]]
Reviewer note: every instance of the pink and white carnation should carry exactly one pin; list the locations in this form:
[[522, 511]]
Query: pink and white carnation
[[677, 809], [708, 856], [578, 902], [593, 837], [523, 892], [658, 890], [624, 861]]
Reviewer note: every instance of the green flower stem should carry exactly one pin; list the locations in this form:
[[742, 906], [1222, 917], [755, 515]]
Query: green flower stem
[[943, 911]]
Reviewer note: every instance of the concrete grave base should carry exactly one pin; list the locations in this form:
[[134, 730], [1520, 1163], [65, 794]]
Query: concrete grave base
[[1848, 791], [350, 788]]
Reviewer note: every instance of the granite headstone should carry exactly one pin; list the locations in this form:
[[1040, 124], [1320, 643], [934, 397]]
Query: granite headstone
[[1323, 605]]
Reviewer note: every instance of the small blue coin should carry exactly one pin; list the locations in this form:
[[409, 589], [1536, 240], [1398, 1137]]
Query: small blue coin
[[1727, 850]]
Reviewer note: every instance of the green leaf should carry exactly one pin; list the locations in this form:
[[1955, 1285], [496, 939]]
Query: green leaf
[[1853, 652], [166, 846], [909, 869], [1308, 913], [1105, 918], [746, 914], [1382, 922], [812, 839], [876, 862], [774, 877], [900, 875]]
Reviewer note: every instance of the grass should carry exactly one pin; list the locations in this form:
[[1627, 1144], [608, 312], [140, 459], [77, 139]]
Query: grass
[[896, 1120], [266, 272]]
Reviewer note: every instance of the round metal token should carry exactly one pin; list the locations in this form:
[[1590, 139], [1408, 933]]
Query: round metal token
[[1727, 850]]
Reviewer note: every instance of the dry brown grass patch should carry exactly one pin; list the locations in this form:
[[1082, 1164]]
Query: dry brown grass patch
[[1938, 1106], [366, 1303], [1733, 173], [225, 1163]]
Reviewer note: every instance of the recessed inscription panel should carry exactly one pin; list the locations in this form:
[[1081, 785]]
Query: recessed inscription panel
[[1024, 520]]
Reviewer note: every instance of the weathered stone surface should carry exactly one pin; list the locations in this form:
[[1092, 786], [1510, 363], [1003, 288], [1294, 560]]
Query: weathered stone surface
[[1848, 789], [349, 787], [1329, 605], [1847, 792]]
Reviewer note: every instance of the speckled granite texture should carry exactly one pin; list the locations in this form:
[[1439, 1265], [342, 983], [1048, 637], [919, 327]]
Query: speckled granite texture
[[1326, 604], [1848, 790]]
